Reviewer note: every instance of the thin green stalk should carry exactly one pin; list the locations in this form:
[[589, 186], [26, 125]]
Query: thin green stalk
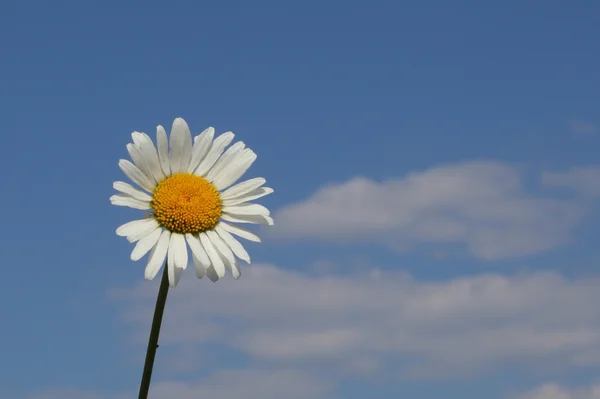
[[154, 333]]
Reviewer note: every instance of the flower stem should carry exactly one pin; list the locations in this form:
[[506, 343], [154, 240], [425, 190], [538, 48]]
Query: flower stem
[[154, 333]]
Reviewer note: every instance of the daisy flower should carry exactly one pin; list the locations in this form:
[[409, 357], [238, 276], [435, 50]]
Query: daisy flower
[[188, 189]]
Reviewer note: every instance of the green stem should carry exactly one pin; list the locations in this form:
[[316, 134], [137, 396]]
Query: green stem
[[154, 333]]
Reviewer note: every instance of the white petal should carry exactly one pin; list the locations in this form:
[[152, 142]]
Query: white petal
[[136, 175], [157, 257], [136, 137], [198, 266], [198, 250], [138, 160], [214, 153], [221, 246], [246, 209], [180, 255], [202, 144], [234, 171], [162, 142], [212, 274], [151, 157], [131, 191], [171, 262], [255, 194], [137, 229], [243, 188], [230, 265], [180, 143], [145, 244], [178, 272], [174, 275], [255, 219], [134, 227], [125, 200], [212, 253], [233, 243], [225, 160], [235, 270], [240, 232]]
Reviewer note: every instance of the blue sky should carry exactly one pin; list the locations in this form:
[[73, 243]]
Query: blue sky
[[441, 156]]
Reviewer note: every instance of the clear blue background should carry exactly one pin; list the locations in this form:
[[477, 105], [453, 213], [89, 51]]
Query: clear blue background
[[323, 90]]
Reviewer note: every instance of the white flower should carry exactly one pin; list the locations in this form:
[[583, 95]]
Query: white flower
[[188, 190]]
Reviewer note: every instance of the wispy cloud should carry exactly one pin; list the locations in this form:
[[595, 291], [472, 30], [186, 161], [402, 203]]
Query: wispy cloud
[[583, 179], [481, 204], [249, 384], [357, 324], [68, 393], [555, 391], [227, 384], [582, 127]]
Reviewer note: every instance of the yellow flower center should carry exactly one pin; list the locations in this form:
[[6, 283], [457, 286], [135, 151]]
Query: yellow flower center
[[186, 203]]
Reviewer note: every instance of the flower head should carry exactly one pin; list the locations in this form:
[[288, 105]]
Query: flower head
[[188, 189]]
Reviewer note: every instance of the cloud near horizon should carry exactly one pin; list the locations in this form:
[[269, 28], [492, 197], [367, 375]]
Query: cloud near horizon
[[360, 324], [224, 384], [302, 334], [555, 391]]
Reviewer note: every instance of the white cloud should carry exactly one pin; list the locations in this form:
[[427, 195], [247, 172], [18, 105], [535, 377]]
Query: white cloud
[[65, 393], [356, 324], [584, 179], [554, 391], [482, 204], [579, 126], [248, 384], [227, 384]]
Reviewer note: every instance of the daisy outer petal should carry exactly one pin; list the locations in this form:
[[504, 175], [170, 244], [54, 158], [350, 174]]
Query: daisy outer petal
[[212, 253], [255, 219], [236, 247], [243, 188], [143, 232], [240, 232], [173, 260], [151, 157], [198, 266], [181, 255], [229, 265], [136, 137], [125, 200], [162, 144], [251, 196], [246, 209], [145, 244], [221, 246], [230, 155], [181, 146], [217, 148], [235, 170], [212, 274], [236, 272], [174, 276], [137, 229], [158, 255], [228, 259], [202, 144], [209, 269], [133, 192], [136, 175], [138, 159]]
